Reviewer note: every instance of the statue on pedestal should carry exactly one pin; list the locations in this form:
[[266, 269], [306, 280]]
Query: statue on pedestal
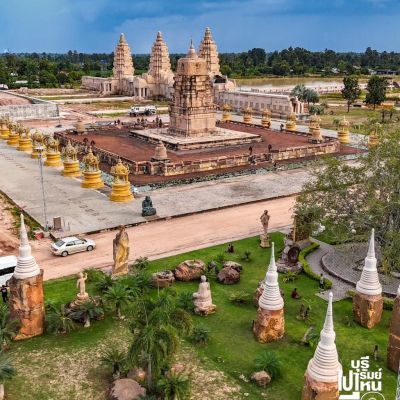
[[120, 252], [264, 238], [81, 285], [202, 298], [147, 207]]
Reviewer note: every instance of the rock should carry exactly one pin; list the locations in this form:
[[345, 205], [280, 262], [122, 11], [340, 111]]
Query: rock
[[262, 378], [367, 310], [269, 326], [137, 374], [126, 389], [190, 270], [314, 390], [233, 264], [162, 279], [228, 276]]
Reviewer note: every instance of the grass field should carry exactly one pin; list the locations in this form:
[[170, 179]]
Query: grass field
[[67, 367]]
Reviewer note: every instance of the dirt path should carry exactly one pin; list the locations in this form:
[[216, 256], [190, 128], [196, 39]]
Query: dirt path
[[165, 238]]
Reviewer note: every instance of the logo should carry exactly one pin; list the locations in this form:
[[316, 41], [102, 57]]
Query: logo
[[360, 383]]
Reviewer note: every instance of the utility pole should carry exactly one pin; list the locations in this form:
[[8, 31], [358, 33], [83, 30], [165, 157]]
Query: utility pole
[[40, 150]]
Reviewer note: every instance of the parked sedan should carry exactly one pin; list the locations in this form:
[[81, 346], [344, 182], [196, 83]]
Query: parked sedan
[[70, 245]]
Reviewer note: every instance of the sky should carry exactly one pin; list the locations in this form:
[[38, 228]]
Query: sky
[[237, 25]]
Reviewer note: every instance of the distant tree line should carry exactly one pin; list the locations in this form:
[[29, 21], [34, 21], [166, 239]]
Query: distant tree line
[[49, 70]]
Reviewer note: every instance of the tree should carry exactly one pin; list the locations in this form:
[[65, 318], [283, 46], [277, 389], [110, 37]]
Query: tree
[[376, 89], [352, 199], [351, 91], [114, 358], [57, 321], [118, 295], [311, 96], [8, 327], [299, 92], [7, 371]]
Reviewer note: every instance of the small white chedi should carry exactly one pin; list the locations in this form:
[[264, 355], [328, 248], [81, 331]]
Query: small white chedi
[[202, 298]]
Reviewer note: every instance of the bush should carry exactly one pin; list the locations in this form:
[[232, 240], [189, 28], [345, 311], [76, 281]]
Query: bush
[[200, 335], [185, 301], [246, 255], [269, 362], [221, 258], [140, 264], [290, 276], [240, 297], [306, 267], [93, 274]]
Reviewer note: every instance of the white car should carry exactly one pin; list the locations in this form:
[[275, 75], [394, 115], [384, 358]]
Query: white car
[[7, 267], [70, 245]]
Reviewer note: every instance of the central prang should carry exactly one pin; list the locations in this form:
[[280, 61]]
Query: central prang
[[192, 109]]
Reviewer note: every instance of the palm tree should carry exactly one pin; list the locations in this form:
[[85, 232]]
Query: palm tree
[[114, 358], [8, 327], [6, 372], [87, 311], [57, 321], [175, 387], [103, 283], [118, 295]]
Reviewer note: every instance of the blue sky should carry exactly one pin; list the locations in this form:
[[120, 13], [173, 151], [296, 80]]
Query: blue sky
[[237, 25]]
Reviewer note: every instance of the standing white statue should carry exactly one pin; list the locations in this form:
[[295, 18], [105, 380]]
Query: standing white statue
[[264, 237], [81, 284], [202, 298]]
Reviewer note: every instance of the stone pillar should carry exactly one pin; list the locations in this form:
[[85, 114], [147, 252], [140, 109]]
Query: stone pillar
[[393, 353], [27, 305], [269, 325], [314, 390], [367, 310]]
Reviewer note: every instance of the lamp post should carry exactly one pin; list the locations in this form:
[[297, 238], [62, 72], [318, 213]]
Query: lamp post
[[40, 150]]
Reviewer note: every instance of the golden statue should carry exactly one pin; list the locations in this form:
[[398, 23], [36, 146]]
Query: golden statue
[[266, 118], [314, 129], [120, 253], [91, 173], [53, 155], [13, 137], [25, 141], [121, 187], [226, 113], [70, 161], [247, 115], [344, 131], [37, 142], [291, 122], [4, 129]]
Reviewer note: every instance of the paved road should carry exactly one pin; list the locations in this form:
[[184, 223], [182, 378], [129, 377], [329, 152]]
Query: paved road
[[160, 239]]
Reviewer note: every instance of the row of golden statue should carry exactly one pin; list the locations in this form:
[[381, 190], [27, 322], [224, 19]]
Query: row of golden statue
[[39, 145], [291, 124]]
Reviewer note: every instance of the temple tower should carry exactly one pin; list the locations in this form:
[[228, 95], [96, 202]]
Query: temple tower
[[123, 63], [270, 323], [208, 51], [26, 291], [321, 380], [192, 110], [160, 63], [368, 300], [393, 353]]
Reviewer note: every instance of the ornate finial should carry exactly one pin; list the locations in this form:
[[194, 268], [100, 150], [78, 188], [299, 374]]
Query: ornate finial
[[122, 38]]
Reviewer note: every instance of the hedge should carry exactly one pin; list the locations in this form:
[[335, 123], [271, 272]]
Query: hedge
[[306, 267]]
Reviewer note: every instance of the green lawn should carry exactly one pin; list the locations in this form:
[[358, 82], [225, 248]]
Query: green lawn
[[232, 348]]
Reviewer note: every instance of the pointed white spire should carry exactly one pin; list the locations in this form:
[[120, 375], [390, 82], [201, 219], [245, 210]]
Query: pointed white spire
[[271, 298], [325, 366], [26, 263], [369, 282]]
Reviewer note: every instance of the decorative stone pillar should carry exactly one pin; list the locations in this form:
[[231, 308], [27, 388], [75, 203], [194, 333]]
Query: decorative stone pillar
[[321, 380], [291, 122], [226, 113], [160, 153], [70, 161], [121, 187], [26, 291], [266, 118], [393, 353], [344, 131], [368, 300], [270, 323], [53, 155], [315, 129], [247, 115], [91, 173]]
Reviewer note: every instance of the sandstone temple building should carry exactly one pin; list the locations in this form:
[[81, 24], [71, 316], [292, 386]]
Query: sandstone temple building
[[159, 80]]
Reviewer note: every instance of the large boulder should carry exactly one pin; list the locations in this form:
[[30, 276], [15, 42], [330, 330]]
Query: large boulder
[[126, 389], [162, 279], [261, 378], [233, 264], [228, 276], [137, 374], [190, 270]]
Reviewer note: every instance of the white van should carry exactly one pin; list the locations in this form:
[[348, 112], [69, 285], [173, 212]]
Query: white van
[[142, 110], [7, 267]]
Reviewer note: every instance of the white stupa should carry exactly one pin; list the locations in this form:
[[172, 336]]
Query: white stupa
[[369, 282], [325, 366], [271, 298], [26, 263]]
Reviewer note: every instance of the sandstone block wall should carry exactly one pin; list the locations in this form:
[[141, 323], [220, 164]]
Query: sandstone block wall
[[367, 310]]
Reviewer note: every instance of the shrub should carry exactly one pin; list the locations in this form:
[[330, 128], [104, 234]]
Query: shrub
[[221, 258], [269, 362], [93, 274], [140, 264], [114, 358], [246, 255], [104, 282], [240, 297], [200, 335], [57, 321], [8, 327], [185, 301], [290, 276]]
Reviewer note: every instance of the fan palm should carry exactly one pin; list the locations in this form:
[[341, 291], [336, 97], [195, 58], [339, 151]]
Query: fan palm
[[8, 327], [118, 295], [114, 358], [269, 362], [87, 311], [57, 321], [175, 387], [103, 283], [6, 372]]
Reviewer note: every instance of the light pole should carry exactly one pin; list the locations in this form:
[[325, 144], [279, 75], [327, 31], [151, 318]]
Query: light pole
[[40, 150]]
